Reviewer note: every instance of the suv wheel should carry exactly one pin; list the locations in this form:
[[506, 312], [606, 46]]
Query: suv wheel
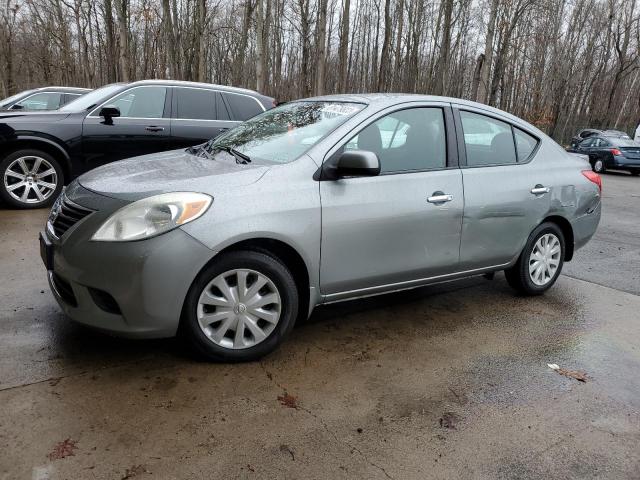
[[540, 262], [30, 179], [240, 307]]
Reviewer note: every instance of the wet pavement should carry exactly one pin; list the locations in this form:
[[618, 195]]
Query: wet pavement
[[449, 381]]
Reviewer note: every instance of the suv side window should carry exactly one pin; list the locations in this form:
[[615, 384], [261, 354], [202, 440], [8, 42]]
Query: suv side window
[[141, 102], [525, 144], [407, 140], [196, 104], [41, 101], [243, 107], [488, 141]]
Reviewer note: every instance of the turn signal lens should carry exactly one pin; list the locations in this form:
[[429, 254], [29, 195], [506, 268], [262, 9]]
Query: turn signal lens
[[593, 177]]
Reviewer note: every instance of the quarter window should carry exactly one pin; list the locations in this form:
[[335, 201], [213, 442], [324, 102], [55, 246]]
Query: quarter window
[[488, 141], [242, 107], [196, 104], [525, 144], [141, 102], [411, 139]]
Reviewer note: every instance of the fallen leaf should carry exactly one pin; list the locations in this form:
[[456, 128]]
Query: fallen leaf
[[63, 449], [575, 374], [134, 471], [288, 400]]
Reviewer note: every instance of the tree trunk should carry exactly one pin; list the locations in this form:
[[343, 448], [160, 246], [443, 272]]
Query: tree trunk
[[343, 49], [321, 34], [123, 27], [485, 72]]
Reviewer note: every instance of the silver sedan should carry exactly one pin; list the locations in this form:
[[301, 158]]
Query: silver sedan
[[319, 200]]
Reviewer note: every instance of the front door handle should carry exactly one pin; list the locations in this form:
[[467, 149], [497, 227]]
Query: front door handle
[[153, 128], [539, 190], [439, 197]]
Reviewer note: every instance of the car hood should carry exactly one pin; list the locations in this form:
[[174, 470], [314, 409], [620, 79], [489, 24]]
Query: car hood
[[32, 116], [172, 171]]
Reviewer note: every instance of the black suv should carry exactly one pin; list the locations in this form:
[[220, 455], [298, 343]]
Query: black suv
[[42, 151], [45, 98]]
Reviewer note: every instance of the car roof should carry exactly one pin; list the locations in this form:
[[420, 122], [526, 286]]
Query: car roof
[[62, 89], [195, 84]]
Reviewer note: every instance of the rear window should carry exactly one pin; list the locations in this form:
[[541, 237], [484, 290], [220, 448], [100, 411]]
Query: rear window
[[243, 107], [623, 142]]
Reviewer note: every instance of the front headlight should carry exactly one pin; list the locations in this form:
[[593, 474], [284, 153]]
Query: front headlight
[[152, 216]]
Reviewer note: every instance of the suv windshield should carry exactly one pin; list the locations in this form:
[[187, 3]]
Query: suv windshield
[[284, 133], [92, 99]]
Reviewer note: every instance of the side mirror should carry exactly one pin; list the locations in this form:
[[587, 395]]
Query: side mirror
[[109, 112], [357, 163]]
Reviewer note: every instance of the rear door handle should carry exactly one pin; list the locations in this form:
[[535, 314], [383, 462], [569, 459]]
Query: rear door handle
[[539, 190], [439, 197], [153, 128]]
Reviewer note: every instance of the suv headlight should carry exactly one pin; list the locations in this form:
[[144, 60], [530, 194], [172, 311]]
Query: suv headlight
[[152, 216]]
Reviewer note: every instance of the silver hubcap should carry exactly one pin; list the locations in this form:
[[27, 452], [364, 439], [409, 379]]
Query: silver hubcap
[[598, 165], [544, 259], [30, 179], [239, 309]]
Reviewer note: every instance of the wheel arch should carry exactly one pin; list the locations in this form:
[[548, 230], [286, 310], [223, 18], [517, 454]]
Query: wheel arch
[[567, 231], [38, 143]]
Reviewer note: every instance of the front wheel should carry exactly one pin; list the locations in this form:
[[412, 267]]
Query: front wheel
[[540, 262], [240, 307], [30, 179]]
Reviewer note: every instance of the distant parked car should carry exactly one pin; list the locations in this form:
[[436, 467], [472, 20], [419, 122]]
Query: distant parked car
[[42, 151], [611, 152], [315, 201], [590, 132], [45, 98]]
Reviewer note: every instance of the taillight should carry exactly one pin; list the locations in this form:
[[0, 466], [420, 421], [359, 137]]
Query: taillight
[[615, 151], [593, 177]]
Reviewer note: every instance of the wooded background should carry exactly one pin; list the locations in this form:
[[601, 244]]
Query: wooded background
[[560, 64]]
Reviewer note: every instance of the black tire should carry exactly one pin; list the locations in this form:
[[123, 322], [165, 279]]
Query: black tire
[[519, 277], [7, 181], [266, 265]]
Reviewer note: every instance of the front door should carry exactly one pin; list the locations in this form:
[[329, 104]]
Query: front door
[[143, 127], [403, 225]]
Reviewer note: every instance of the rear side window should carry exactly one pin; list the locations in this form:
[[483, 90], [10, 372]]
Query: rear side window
[[525, 144], [242, 107], [488, 141], [42, 101], [196, 104]]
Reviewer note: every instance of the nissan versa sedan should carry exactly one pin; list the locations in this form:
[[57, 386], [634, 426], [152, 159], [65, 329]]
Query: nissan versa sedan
[[315, 201]]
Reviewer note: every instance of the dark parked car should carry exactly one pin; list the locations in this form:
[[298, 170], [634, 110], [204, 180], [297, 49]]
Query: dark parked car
[[42, 151], [45, 98], [611, 152], [591, 132]]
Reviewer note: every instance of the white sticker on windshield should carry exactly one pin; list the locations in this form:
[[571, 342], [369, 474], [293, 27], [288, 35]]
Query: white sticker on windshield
[[341, 109]]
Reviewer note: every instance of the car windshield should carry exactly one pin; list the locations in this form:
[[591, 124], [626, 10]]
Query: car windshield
[[282, 134], [10, 99], [92, 99]]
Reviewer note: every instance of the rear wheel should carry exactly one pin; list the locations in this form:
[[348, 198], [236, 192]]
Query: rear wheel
[[30, 179], [540, 262], [240, 307]]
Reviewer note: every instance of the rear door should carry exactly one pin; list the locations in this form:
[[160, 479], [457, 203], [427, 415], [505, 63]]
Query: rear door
[[505, 194], [403, 225], [143, 127], [198, 115]]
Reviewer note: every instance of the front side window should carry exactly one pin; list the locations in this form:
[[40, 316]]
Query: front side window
[[141, 102], [586, 143], [242, 107], [41, 101], [411, 139], [488, 141], [282, 134], [196, 104]]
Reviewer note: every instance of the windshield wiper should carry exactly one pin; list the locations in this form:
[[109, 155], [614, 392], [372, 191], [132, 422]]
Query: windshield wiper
[[239, 156]]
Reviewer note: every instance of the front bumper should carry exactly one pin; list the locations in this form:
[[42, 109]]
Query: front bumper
[[132, 289]]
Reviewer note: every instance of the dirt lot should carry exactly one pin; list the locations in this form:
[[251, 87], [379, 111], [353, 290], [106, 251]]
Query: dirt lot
[[442, 382]]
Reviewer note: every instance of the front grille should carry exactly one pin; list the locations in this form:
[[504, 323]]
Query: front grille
[[64, 290], [68, 215]]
